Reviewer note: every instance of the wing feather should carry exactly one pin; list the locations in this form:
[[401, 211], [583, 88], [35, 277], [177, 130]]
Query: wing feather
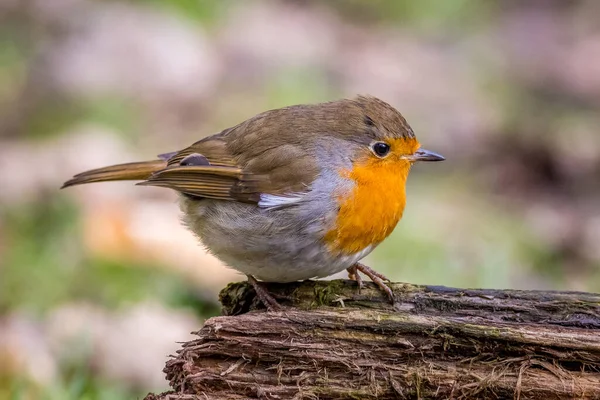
[[243, 167], [213, 182]]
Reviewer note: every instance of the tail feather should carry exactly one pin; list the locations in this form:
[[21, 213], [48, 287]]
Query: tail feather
[[122, 172]]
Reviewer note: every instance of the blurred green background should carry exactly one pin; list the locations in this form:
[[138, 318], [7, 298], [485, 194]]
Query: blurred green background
[[98, 283]]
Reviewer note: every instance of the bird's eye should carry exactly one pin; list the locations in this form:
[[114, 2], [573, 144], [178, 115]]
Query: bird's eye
[[381, 149]]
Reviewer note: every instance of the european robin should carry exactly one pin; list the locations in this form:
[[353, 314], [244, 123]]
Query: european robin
[[294, 193]]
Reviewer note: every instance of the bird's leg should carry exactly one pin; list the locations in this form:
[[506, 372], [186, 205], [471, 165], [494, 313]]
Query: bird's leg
[[355, 276], [375, 276], [263, 295]]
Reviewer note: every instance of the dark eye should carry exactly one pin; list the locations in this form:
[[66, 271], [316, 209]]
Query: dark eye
[[381, 149]]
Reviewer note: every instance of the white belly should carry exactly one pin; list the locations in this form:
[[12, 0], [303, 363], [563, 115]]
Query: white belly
[[271, 245]]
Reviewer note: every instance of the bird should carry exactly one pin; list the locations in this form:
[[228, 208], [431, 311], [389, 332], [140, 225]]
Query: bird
[[295, 193]]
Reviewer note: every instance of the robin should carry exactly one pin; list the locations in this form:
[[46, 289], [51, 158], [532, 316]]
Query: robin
[[295, 193]]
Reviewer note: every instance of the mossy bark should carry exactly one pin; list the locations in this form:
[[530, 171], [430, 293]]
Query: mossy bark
[[331, 342]]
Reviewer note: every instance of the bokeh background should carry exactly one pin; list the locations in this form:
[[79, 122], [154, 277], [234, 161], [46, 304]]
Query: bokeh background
[[98, 283]]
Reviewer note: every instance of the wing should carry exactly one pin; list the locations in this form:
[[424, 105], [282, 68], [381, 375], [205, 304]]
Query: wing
[[243, 164], [212, 173]]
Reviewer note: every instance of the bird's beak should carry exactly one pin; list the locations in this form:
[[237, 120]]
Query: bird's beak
[[425, 155]]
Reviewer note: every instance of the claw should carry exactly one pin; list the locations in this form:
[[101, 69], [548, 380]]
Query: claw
[[375, 276]]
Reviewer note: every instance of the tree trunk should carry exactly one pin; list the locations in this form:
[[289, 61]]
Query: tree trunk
[[330, 342]]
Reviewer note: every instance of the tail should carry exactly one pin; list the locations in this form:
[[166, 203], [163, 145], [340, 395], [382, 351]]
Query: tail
[[122, 172]]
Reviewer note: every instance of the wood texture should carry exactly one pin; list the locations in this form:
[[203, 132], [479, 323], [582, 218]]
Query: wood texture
[[331, 342]]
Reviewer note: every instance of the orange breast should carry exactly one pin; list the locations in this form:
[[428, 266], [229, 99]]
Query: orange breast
[[374, 206]]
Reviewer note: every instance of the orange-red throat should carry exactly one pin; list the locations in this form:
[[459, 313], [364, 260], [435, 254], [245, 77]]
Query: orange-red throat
[[375, 205]]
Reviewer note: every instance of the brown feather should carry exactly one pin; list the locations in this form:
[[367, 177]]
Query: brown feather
[[122, 172], [214, 148], [214, 182]]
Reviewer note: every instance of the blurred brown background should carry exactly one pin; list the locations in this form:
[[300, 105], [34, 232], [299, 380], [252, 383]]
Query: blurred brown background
[[97, 283]]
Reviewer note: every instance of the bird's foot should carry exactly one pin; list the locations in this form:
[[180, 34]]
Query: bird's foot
[[355, 276], [375, 276], [263, 295]]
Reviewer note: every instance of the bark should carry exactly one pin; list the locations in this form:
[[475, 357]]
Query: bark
[[331, 342]]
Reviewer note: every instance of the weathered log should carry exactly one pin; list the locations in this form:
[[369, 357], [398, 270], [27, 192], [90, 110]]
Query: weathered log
[[331, 342]]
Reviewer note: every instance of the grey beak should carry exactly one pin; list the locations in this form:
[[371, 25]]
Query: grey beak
[[426, 155]]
